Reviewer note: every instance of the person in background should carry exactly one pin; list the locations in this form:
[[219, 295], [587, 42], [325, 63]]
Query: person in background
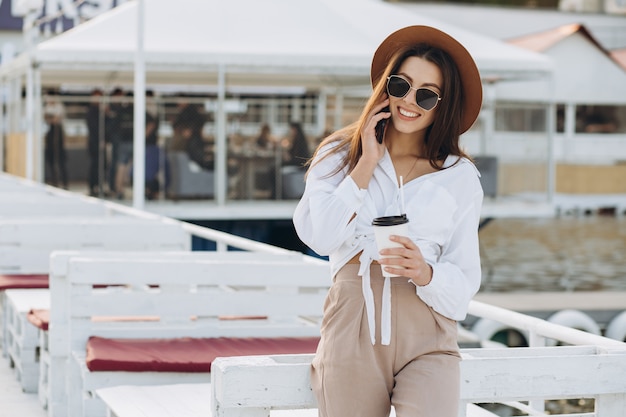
[[197, 148], [296, 146], [265, 140], [265, 176], [153, 153], [188, 117], [95, 143], [113, 134], [392, 341], [295, 153], [125, 119], [54, 142]]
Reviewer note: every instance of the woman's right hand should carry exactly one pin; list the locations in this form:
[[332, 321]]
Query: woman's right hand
[[372, 150], [371, 147]]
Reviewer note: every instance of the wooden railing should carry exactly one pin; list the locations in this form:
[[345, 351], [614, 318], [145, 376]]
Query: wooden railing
[[522, 378]]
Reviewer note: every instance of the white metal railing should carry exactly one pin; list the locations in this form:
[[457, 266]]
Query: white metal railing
[[223, 240], [540, 330]]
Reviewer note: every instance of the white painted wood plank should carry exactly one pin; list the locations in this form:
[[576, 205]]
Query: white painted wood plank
[[263, 272], [178, 400], [23, 300], [181, 400]]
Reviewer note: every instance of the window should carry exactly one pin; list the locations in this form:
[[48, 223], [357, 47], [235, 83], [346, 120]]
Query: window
[[520, 118], [600, 119]]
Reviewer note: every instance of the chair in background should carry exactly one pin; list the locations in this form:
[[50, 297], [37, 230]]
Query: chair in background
[[187, 179], [292, 182]]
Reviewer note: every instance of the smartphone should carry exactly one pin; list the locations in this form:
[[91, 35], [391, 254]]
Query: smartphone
[[380, 126]]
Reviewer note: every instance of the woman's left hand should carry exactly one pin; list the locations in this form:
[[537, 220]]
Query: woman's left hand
[[410, 258]]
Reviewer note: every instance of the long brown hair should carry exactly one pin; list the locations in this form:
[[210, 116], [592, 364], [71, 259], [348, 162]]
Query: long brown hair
[[442, 136]]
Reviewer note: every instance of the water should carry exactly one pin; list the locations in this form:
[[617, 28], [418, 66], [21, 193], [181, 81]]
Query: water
[[557, 254]]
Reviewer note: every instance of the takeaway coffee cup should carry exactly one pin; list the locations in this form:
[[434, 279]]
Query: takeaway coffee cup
[[387, 226]]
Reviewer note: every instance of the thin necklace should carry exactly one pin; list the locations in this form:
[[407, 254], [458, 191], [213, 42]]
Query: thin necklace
[[410, 170]]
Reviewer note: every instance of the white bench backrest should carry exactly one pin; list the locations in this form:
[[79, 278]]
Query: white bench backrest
[[195, 292], [200, 284], [26, 244]]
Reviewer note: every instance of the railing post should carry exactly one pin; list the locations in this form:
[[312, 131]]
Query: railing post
[[536, 340]]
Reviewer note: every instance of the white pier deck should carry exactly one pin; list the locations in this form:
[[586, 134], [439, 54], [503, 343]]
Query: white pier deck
[[16, 403]]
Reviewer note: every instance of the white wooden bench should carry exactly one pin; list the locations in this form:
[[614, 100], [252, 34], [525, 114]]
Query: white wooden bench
[[59, 262], [21, 341], [26, 245], [253, 386], [191, 300]]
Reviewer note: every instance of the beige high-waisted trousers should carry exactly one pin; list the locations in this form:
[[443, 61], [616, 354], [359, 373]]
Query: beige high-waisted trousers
[[418, 373]]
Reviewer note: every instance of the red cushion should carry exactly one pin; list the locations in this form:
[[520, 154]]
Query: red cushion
[[39, 317], [184, 354], [10, 282]]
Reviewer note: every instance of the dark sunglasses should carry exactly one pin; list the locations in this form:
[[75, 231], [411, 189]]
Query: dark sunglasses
[[398, 86]]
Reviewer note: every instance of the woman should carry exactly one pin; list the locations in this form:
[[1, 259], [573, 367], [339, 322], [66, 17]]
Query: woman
[[296, 146], [392, 341]]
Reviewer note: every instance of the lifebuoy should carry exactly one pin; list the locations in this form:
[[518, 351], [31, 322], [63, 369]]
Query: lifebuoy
[[574, 319], [486, 329], [616, 329]]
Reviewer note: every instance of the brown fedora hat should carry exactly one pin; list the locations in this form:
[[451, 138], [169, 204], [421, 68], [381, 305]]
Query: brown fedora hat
[[470, 77]]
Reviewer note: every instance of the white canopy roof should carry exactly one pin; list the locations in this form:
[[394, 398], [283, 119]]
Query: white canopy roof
[[309, 43]]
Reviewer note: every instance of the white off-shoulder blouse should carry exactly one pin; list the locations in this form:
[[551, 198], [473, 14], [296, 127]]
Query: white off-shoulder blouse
[[443, 209]]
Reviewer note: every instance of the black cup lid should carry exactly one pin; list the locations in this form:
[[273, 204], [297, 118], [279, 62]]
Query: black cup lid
[[390, 220]]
